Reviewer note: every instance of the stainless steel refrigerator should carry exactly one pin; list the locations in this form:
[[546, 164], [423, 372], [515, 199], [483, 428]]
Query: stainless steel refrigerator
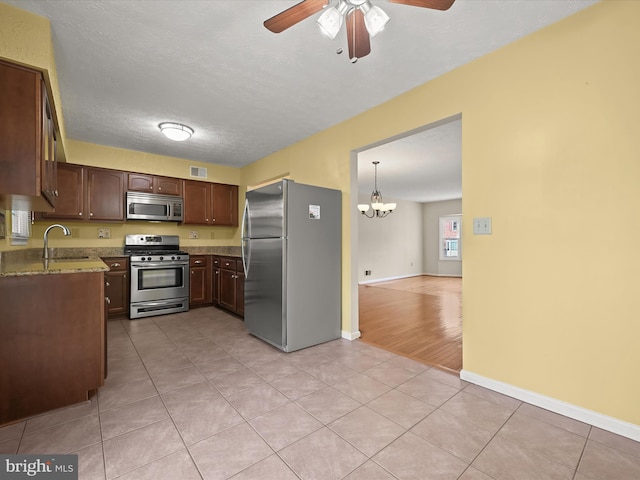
[[291, 252]]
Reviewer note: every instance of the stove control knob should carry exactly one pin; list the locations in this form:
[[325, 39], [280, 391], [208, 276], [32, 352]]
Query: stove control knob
[[161, 258], [173, 258], [149, 258]]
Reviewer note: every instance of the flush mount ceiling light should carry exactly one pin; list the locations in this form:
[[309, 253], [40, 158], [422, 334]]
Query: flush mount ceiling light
[[176, 131], [364, 20], [379, 209]]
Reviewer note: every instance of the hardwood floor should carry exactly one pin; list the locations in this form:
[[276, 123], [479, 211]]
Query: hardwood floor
[[418, 317]]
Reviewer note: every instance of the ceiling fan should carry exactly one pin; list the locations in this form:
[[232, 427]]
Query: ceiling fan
[[364, 20]]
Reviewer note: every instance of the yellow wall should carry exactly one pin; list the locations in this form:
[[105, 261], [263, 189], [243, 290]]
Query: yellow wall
[[26, 39], [550, 153]]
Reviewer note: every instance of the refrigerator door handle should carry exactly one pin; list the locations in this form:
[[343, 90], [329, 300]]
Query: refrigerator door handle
[[245, 240]]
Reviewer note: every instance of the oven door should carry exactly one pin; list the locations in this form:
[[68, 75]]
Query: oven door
[[159, 281]]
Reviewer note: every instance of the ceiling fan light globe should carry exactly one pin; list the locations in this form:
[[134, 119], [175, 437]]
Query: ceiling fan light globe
[[377, 206], [390, 206], [363, 207], [330, 22], [375, 19]]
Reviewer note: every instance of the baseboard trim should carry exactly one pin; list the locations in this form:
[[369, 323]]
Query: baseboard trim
[[614, 425], [400, 277], [350, 335], [386, 279]]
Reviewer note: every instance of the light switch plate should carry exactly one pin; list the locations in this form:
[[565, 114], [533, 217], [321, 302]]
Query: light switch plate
[[193, 234], [482, 226], [104, 233]]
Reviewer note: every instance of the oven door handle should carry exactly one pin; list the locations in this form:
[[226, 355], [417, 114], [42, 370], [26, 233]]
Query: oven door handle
[[159, 264]]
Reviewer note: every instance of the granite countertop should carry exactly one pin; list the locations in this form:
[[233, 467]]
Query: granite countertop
[[54, 266], [75, 260]]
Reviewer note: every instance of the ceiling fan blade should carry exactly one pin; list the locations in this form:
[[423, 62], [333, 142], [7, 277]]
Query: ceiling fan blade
[[289, 17], [357, 35], [435, 4]]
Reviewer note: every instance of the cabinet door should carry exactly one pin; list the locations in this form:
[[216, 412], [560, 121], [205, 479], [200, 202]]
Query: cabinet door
[[70, 199], [48, 146], [197, 282], [197, 202], [225, 204], [25, 179], [105, 194], [228, 289], [168, 186], [200, 292], [215, 280], [139, 182], [240, 293], [116, 287]]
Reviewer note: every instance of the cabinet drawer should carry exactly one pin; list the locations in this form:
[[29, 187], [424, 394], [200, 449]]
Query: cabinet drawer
[[198, 260], [116, 264], [228, 263]]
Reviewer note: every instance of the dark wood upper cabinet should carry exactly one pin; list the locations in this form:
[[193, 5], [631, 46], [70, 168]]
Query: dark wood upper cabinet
[[105, 194], [70, 200], [225, 204], [28, 141], [210, 203], [140, 182], [89, 193], [197, 202]]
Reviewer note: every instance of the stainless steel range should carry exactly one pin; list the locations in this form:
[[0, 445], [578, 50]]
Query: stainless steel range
[[159, 275]]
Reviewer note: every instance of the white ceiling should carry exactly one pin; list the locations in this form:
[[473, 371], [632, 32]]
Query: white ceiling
[[126, 65]]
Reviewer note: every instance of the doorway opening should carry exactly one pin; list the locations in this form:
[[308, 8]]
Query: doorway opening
[[407, 294]]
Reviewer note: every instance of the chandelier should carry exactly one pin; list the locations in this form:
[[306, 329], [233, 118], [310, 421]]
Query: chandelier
[[379, 208]]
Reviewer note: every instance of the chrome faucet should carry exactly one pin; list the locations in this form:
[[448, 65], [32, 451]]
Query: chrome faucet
[[66, 231]]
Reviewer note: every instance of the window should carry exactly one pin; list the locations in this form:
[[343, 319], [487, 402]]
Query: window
[[20, 227], [450, 238]]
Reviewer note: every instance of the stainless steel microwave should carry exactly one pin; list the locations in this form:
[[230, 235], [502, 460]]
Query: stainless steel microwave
[[151, 206]]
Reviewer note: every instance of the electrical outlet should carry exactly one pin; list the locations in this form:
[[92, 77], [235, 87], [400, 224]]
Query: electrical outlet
[[367, 272], [104, 233], [193, 234]]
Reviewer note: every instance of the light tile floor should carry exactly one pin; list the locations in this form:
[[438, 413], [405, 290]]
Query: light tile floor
[[193, 396]]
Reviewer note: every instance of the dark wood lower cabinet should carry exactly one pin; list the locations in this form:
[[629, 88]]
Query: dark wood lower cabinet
[[116, 286], [231, 285], [200, 292], [52, 342]]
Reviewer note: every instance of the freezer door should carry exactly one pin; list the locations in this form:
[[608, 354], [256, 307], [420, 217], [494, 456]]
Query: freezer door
[[313, 265], [263, 289], [264, 214]]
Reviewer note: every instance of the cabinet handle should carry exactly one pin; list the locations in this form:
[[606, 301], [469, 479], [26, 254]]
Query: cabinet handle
[[213, 220], [159, 188], [107, 284], [91, 214], [80, 214], [198, 262], [192, 272], [115, 264], [108, 300], [56, 193]]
